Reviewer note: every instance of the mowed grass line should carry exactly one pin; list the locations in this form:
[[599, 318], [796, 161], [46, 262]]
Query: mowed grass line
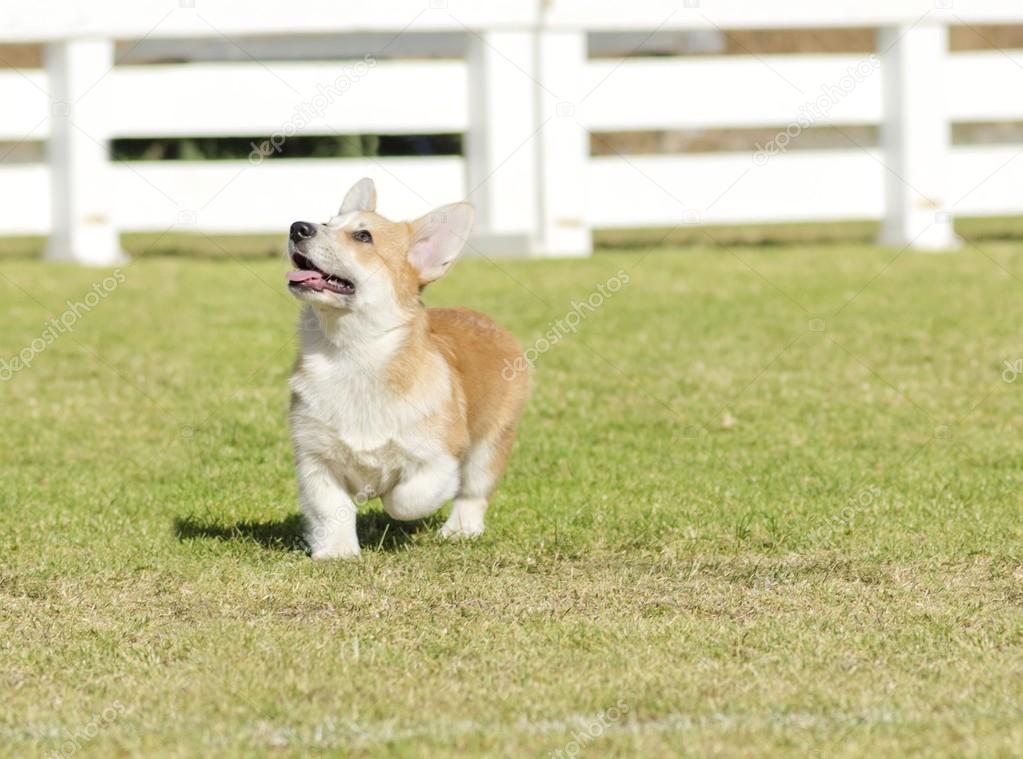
[[755, 508]]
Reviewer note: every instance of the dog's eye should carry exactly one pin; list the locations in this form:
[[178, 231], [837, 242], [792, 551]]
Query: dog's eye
[[362, 235]]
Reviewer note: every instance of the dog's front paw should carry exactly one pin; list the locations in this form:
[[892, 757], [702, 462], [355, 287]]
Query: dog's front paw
[[453, 530], [466, 519], [337, 552]]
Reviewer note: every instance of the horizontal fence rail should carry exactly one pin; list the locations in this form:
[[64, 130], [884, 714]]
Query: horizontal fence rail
[[34, 20], [228, 99], [529, 101], [190, 196]]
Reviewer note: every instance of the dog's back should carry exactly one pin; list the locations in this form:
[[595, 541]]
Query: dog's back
[[480, 352]]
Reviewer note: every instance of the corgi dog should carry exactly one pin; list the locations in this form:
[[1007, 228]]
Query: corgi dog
[[389, 398]]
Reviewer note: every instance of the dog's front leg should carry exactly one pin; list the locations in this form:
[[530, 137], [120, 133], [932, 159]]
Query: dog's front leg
[[329, 512], [423, 491]]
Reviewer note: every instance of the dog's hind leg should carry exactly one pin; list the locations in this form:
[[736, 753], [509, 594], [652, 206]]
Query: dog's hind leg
[[481, 468]]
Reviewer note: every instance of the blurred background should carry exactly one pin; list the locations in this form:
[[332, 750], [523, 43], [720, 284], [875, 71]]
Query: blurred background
[[188, 125]]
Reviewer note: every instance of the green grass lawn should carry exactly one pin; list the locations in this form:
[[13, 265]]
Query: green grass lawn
[[763, 501]]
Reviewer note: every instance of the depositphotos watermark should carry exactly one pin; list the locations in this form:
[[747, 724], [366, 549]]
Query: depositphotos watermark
[[817, 109], [83, 735], [309, 110], [60, 326], [566, 325], [864, 499], [592, 731]]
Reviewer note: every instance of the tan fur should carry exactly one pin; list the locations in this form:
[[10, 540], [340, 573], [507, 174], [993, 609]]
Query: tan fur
[[483, 404], [477, 349]]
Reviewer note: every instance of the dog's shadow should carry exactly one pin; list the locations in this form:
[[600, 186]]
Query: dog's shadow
[[377, 531]]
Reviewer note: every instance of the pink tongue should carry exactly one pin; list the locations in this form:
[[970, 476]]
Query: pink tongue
[[311, 278]]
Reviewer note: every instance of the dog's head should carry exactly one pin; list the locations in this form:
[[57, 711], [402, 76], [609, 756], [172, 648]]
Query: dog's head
[[360, 261]]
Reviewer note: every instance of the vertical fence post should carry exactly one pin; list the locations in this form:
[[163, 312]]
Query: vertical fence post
[[501, 143], [564, 144], [81, 227], [915, 137]]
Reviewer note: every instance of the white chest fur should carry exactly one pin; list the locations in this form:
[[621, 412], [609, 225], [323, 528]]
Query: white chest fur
[[346, 413]]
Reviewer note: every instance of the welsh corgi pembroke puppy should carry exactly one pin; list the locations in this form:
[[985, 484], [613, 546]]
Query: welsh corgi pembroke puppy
[[389, 398]]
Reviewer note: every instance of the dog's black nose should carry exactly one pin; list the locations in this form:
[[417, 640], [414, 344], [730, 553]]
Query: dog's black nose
[[302, 230]]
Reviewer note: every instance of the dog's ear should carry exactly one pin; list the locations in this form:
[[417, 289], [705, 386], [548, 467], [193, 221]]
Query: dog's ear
[[438, 238], [362, 197]]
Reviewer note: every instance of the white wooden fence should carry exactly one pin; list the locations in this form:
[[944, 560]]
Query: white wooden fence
[[527, 97]]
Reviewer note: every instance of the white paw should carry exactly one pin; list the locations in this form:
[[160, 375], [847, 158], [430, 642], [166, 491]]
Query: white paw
[[341, 552], [460, 530]]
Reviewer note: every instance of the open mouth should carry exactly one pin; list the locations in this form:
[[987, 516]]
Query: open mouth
[[311, 277]]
